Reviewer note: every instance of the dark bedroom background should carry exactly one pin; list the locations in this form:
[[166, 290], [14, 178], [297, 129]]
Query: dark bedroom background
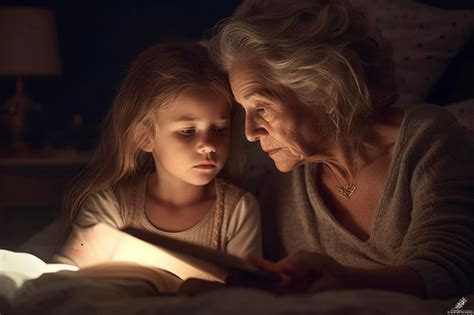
[[97, 41]]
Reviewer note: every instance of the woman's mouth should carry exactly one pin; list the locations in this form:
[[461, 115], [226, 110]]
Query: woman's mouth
[[273, 151]]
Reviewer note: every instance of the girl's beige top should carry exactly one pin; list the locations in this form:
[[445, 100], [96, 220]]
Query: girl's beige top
[[239, 230]]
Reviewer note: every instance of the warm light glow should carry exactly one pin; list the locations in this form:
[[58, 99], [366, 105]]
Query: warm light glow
[[102, 243]]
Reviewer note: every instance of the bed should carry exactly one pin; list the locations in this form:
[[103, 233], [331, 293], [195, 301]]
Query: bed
[[433, 51], [53, 295], [24, 289]]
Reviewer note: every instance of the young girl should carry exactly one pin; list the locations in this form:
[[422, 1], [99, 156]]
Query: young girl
[[164, 141]]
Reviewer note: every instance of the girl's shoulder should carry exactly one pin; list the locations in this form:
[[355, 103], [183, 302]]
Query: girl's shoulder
[[234, 193], [238, 203], [115, 206], [229, 187], [101, 206], [103, 199]]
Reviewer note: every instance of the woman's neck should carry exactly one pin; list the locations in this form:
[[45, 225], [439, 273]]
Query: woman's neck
[[177, 193], [345, 159]]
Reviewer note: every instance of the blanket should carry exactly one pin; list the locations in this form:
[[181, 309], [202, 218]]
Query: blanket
[[59, 294]]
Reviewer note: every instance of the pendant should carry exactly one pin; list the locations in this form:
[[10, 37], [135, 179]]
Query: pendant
[[346, 192]]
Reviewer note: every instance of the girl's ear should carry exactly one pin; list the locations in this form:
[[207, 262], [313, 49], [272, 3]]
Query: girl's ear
[[147, 147], [144, 137]]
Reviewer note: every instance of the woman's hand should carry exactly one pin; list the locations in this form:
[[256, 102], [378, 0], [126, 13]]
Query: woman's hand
[[312, 272], [304, 272]]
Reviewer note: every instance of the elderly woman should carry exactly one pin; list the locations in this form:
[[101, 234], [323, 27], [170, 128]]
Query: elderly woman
[[372, 196]]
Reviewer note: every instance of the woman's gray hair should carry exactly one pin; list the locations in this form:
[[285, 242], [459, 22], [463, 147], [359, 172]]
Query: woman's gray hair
[[323, 51]]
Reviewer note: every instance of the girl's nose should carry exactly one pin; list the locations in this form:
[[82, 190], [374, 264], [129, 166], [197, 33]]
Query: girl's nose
[[207, 145]]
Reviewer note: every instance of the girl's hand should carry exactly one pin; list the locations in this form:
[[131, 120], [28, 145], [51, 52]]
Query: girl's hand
[[304, 272]]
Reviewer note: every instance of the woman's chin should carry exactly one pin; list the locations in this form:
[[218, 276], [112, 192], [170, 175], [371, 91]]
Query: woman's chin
[[285, 166]]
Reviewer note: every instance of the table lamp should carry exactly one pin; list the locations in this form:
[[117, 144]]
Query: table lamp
[[28, 47]]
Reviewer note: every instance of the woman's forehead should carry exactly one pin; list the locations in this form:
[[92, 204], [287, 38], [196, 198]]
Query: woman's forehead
[[249, 81], [246, 80]]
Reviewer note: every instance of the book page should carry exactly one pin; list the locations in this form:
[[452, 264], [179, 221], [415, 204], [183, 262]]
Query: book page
[[162, 280], [219, 258], [17, 267], [102, 243]]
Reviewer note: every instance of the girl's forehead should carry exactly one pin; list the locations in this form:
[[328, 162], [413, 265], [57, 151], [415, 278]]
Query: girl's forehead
[[193, 106], [200, 92]]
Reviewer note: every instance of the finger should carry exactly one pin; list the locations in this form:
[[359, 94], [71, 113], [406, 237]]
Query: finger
[[291, 285], [323, 284], [294, 266], [264, 264], [302, 264]]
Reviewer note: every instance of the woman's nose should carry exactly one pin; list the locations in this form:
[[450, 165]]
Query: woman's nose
[[253, 130]]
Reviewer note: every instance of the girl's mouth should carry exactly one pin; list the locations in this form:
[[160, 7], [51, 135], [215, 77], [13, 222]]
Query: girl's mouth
[[205, 166]]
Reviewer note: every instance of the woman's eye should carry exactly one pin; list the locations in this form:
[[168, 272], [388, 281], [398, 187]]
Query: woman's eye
[[265, 113], [261, 110], [188, 132]]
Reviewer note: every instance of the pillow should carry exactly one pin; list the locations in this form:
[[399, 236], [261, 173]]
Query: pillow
[[424, 41]]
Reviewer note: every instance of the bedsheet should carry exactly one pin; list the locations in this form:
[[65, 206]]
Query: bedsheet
[[56, 294]]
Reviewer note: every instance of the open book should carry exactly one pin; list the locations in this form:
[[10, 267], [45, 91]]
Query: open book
[[16, 268], [102, 243]]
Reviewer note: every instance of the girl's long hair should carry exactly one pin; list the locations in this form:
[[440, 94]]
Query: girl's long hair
[[156, 78]]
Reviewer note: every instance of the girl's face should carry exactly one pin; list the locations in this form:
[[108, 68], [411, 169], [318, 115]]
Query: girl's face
[[193, 138]]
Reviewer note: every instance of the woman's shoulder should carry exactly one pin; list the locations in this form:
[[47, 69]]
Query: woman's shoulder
[[428, 127], [422, 118], [432, 139]]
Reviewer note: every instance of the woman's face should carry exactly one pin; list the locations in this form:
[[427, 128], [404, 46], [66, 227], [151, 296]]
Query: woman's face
[[288, 131]]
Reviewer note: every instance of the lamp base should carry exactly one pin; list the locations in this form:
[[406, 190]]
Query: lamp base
[[14, 112]]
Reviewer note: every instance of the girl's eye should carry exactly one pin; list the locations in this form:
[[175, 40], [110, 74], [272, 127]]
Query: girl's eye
[[222, 130], [187, 132]]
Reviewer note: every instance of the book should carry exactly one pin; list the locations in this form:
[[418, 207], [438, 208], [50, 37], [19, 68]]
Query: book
[[161, 280], [18, 267], [102, 244]]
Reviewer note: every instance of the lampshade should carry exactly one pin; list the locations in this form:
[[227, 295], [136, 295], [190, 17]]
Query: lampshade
[[28, 41]]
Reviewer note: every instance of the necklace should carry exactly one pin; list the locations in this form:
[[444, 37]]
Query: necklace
[[346, 191]]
